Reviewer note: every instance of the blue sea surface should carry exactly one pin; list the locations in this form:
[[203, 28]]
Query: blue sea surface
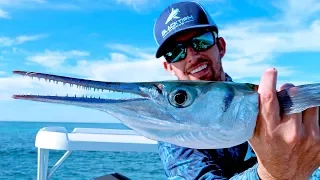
[[19, 156]]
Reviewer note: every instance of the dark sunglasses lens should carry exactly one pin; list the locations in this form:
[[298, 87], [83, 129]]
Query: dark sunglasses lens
[[203, 42], [176, 54]]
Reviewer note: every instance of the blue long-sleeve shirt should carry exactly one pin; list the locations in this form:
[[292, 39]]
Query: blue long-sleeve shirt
[[235, 163], [186, 163]]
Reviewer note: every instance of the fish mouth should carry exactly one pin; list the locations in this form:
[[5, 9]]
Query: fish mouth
[[80, 99], [137, 90], [125, 88]]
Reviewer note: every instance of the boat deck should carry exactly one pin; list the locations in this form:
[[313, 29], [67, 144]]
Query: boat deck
[[85, 139]]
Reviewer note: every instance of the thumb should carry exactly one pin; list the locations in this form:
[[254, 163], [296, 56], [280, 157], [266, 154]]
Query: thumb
[[269, 105]]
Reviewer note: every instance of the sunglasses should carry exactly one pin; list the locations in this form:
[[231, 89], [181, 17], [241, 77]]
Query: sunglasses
[[199, 43]]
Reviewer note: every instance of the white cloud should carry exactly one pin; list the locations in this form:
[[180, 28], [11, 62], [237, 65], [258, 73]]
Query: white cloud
[[75, 4], [132, 50], [127, 64], [4, 14], [16, 2], [215, 14], [119, 66], [138, 4], [245, 68], [24, 38], [48, 59], [251, 41], [210, 1], [37, 4], [296, 13], [142, 70], [53, 59], [253, 44], [26, 85], [7, 41]]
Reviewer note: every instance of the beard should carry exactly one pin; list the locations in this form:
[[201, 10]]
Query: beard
[[218, 73]]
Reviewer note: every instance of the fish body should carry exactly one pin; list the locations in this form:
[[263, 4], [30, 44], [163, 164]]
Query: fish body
[[194, 114]]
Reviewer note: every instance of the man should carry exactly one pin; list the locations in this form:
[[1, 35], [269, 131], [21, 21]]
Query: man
[[286, 147]]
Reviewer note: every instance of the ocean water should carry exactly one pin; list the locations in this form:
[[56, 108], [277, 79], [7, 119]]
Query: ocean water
[[19, 156]]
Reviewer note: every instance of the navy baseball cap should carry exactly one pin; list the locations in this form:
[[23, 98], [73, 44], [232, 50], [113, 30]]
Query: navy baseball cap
[[179, 17]]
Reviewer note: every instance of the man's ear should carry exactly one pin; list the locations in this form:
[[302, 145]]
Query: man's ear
[[167, 67], [221, 46]]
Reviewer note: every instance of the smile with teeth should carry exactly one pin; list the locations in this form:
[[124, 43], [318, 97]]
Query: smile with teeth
[[198, 69]]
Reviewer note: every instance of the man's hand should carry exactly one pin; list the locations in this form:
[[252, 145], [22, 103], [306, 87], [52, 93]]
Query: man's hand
[[287, 147]]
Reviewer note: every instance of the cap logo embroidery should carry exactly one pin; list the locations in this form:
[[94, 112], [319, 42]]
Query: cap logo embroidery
[[175, 24], [173, 14]]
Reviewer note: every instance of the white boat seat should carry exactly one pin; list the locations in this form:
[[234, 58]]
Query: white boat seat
[[86, 139]]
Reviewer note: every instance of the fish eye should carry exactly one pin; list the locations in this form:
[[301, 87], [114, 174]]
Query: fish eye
[[180, 98]]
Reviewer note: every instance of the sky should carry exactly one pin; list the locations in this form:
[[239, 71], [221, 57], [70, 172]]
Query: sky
[[112, 40]]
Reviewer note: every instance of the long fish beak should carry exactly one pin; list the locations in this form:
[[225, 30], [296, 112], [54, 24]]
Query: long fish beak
[[124, 87], [136, 113]]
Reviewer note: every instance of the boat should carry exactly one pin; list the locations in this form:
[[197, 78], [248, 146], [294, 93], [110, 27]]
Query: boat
[[86, 139]]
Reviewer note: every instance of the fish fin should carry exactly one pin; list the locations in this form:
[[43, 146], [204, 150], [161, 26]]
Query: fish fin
[[299, 98]]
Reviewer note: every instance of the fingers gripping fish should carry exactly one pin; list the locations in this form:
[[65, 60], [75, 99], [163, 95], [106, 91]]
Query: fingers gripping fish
[[194, 114]]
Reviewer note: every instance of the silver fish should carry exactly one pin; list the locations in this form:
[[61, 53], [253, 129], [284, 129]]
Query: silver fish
[[194, 114]]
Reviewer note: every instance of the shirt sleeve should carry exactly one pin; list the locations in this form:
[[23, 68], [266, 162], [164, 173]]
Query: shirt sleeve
[[190, 164], [250, 174], [315, 175]]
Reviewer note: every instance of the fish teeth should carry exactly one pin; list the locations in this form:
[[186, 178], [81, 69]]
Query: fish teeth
[[199, 69], [78, 86]]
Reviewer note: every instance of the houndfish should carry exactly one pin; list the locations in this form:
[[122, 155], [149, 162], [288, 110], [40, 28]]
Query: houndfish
[[193, 114]]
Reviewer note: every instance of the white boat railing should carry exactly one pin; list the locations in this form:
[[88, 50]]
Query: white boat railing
[[85, 139]]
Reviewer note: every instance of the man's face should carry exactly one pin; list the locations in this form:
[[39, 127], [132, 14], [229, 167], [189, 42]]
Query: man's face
[[205, 65]]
